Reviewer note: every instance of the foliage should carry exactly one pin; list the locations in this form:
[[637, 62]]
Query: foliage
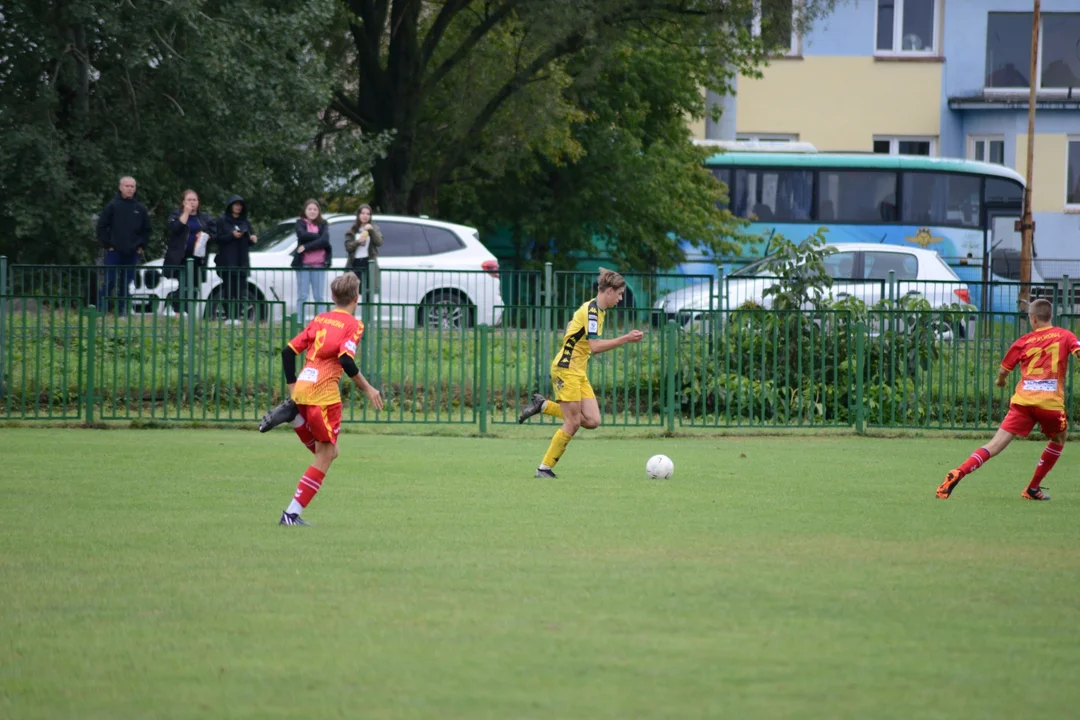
[[802, 367], [220, 96], [631, 176], [804, 280], [493, 105]]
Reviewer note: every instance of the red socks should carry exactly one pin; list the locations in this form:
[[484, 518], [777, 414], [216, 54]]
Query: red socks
[[974, 462], [1046, 463], [309, 485]]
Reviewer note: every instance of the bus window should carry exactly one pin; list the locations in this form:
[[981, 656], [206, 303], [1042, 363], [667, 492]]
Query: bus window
[[724, 176], [941, 199], [1004, 192], [857, 196], [774, 195]]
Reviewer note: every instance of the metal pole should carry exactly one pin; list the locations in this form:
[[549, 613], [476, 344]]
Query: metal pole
[[860, 417], [1027, 224], [190, 283], [3, 312], [481, 399], [546, 321], [91, 361], [671, 330]]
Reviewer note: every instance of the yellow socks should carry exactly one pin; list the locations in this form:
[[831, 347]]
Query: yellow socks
[[557, 447], [553, 409]]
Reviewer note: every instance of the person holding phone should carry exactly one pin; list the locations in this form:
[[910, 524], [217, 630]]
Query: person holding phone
[[234, 238]]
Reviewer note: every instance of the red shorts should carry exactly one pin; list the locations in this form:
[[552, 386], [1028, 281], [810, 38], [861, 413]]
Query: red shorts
[[1022, 418], [324, 421]]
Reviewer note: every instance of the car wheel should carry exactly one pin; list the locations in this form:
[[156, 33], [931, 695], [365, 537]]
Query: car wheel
[[447, 309]]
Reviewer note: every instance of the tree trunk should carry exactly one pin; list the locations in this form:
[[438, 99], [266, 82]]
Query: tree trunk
[[393, 180], [393, 174]]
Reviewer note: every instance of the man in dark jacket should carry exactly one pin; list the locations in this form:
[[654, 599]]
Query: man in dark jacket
[[234, 238], [123, 229]]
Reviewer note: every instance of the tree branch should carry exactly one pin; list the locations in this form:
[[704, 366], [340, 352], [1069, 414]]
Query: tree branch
[[442, 22], [174, 102], [134, 101], [523, 77], [341, 104], [469, 43], [166, 44]]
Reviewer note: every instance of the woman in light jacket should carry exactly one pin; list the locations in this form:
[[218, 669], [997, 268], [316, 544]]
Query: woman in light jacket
[[311, 257], [362, 242]]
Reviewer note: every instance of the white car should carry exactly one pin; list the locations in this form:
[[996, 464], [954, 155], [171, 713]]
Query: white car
[[859, 270], [433, 273]]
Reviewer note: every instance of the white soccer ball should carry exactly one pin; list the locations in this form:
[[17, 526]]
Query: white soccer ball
[[659, 467]]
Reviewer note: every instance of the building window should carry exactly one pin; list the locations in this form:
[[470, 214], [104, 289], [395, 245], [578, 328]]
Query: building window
[[778, 26], [987, 149], [907, 27], [767, 137], [1008, 51], [905, 145], [1072, 181]]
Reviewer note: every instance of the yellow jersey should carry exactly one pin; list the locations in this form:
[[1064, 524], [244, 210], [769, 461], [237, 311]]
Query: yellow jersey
[[587, 324]]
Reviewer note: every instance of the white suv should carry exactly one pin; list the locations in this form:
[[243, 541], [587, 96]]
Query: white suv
[[858, 270], [433, 273]]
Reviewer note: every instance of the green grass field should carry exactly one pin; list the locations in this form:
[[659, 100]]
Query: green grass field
[[142, 574]]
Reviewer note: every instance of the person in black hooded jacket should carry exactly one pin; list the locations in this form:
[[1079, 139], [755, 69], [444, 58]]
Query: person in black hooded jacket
[[185, 224], [234, 238]]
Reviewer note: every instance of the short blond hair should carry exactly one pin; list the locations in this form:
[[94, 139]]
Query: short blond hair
[[345, 289], [1041, 309], [610, 279]]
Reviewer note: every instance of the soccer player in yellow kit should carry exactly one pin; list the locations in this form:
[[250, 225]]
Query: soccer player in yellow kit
[[575, 402]]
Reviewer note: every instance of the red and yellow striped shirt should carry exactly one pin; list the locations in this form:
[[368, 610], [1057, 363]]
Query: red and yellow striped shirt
[[1043, 357], [329, 336]]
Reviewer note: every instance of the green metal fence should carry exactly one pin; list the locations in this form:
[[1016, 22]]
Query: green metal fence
[[217, 360]]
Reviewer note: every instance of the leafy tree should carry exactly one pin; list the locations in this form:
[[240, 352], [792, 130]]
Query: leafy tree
[[218, 95], [456, 80], [631, 178], [803, 279]]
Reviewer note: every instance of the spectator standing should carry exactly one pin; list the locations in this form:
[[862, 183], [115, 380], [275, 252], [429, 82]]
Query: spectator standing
[[123, 229], [311, 257], [234, 238], [362, 242], [185, 225]]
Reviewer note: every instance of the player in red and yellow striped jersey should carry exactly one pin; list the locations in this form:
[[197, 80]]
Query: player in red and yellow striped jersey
[[315, 413], [1043, 356]]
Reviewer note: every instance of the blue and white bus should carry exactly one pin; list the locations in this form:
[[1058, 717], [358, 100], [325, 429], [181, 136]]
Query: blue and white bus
[[962, 209]]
